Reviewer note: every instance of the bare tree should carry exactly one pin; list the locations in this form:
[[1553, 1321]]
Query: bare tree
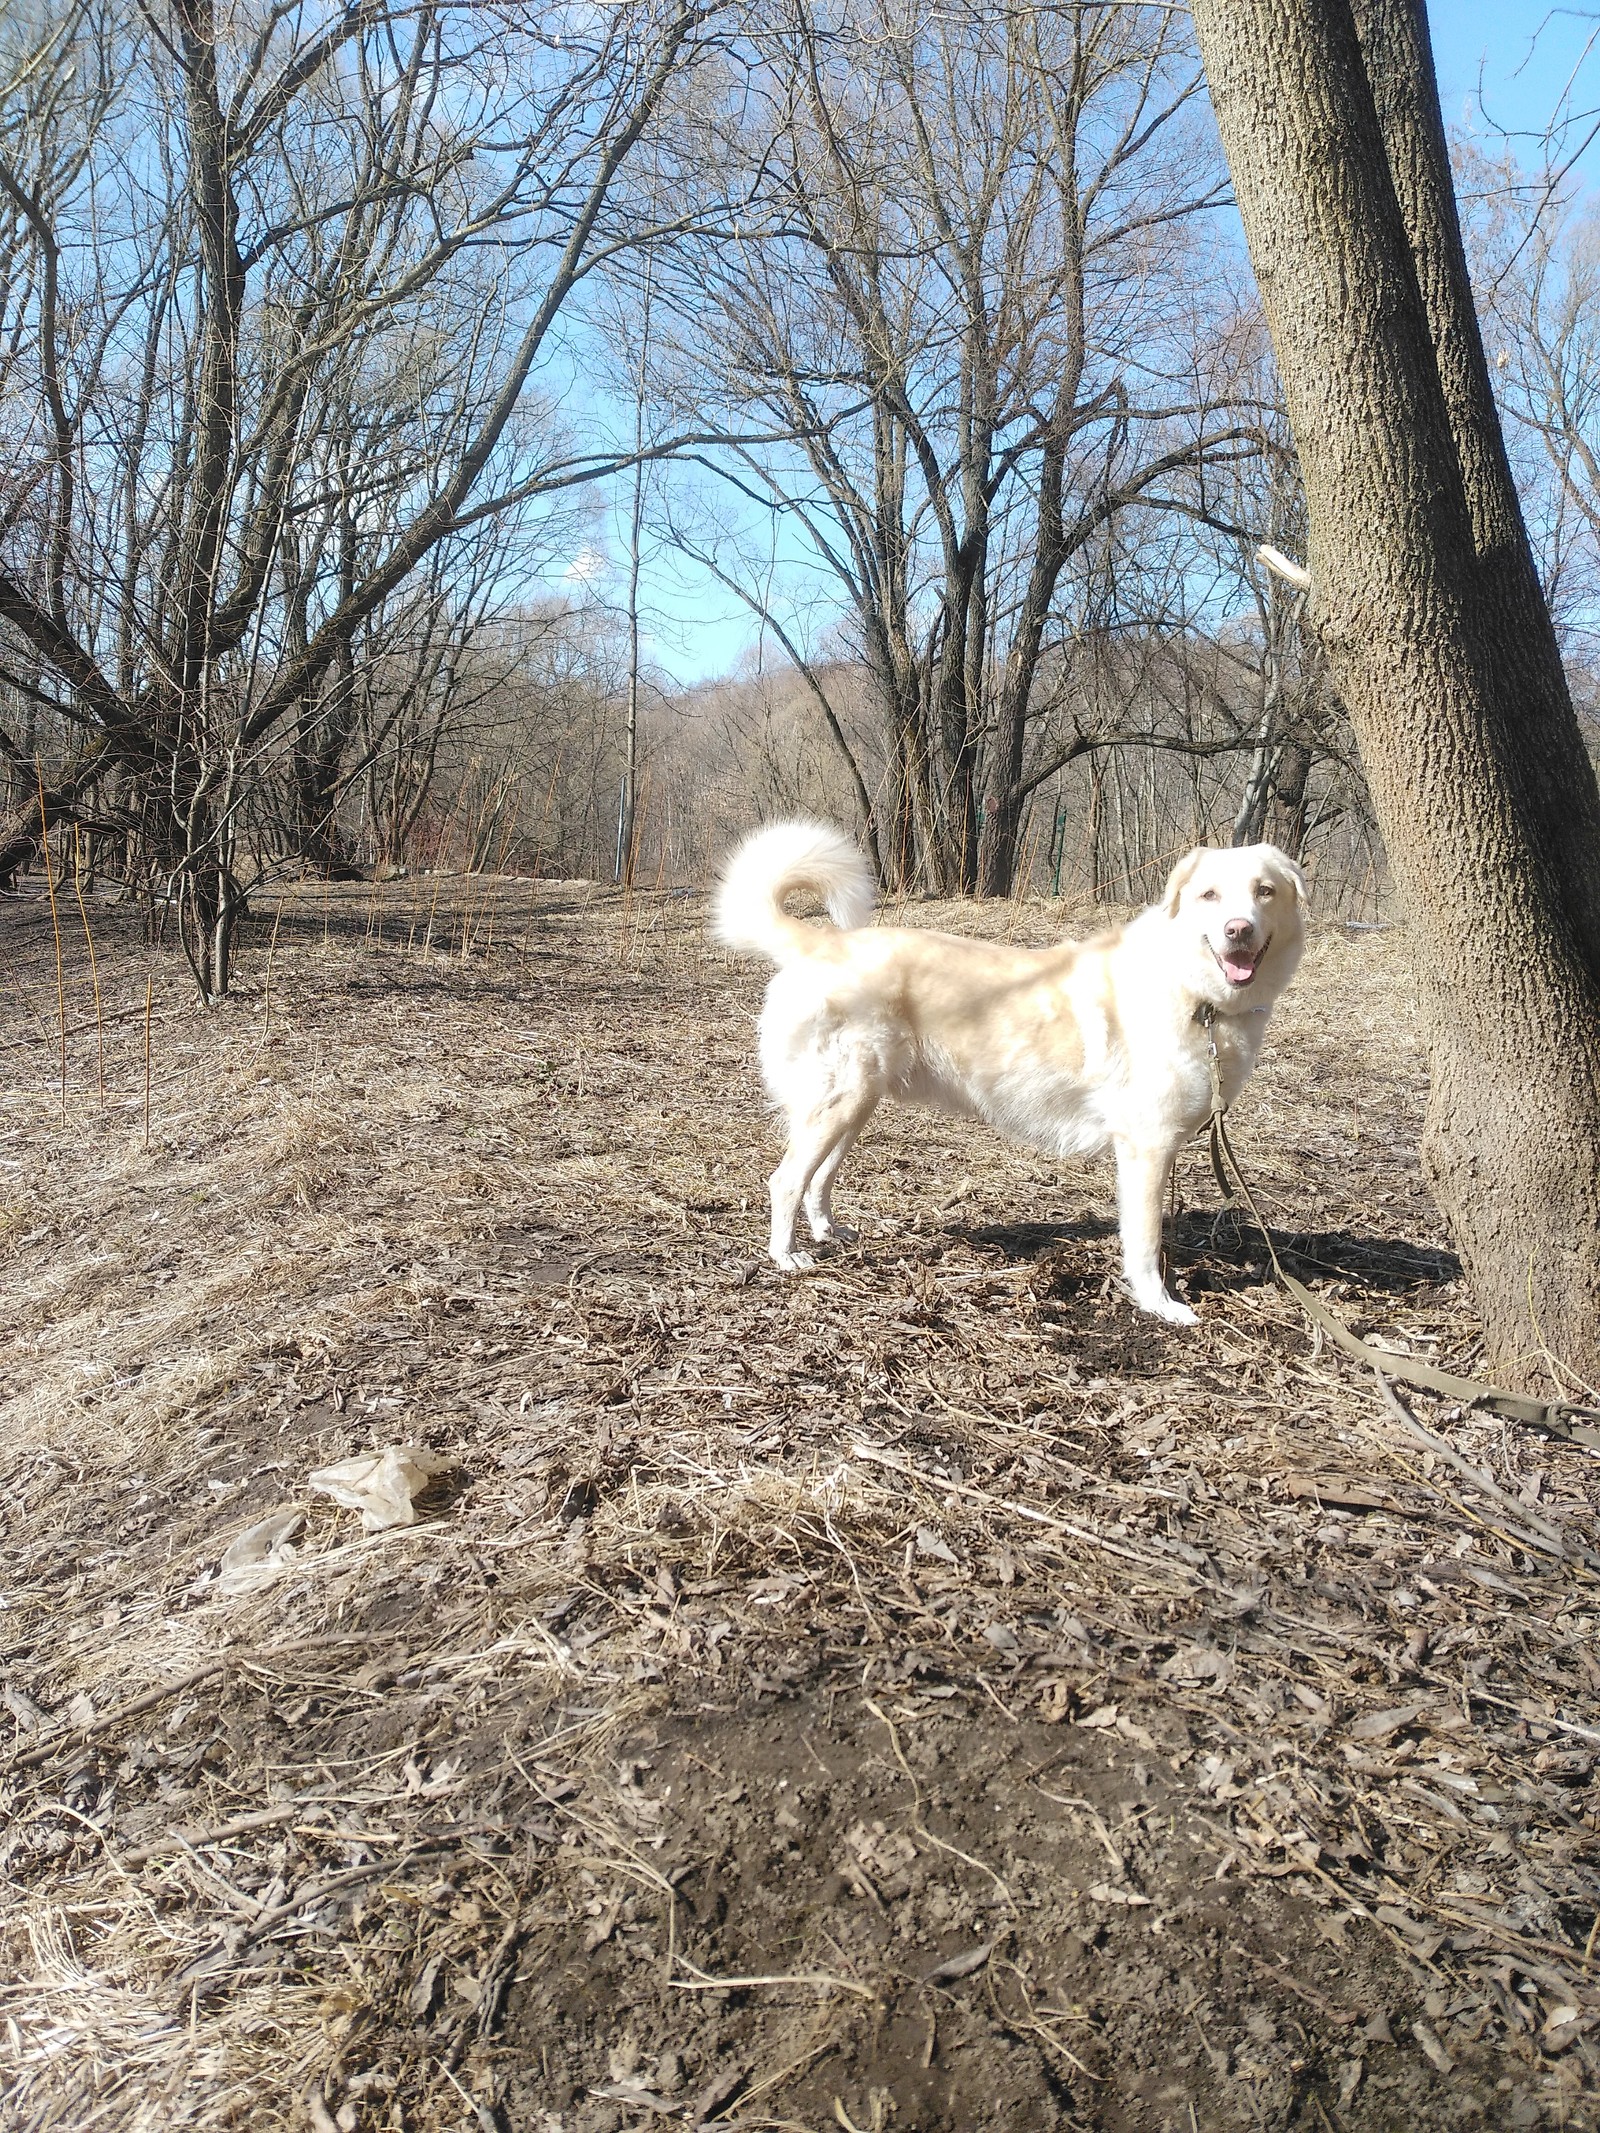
[[1534, 249], [1430, 613], [961, 305], [276, 216]]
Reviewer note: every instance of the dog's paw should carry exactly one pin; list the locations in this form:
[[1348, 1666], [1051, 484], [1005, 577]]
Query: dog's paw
[[793, 1262], [1166, 1307], [1152, 1296]]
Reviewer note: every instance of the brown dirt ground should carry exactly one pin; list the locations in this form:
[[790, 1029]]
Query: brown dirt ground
[[924, 1696]]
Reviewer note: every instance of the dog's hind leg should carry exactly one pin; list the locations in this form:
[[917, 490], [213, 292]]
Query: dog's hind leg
[[819, 1193], [1142, 1175], [818, 1137]]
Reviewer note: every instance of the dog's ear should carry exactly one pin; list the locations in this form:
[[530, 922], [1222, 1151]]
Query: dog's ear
[[1178, 880], [1296, 875]]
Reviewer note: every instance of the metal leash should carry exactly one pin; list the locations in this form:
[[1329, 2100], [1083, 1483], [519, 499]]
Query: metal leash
[[1559, 1417]]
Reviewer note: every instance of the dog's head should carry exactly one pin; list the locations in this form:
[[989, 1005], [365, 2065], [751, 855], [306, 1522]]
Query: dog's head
[[1240, 915]]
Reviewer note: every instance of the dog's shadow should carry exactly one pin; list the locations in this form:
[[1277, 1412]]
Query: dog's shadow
[[1212, 1252]]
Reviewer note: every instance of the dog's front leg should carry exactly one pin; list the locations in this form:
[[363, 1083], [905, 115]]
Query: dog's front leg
[[1142, 1174]]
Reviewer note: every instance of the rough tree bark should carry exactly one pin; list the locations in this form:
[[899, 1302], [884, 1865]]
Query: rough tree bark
[[1427, 603]]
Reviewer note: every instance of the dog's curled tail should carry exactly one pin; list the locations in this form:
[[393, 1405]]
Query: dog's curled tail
[[770, 866]]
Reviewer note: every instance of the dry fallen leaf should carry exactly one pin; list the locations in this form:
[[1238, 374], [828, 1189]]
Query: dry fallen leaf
[[638, 2098], [1433, 2048], [1056, 1700], [930, 1542], [28, 1714], [1378, 1725], [1216, 1777], [962, 1965]]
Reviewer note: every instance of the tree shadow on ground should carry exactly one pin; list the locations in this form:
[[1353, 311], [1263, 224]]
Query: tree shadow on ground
[[1219, 1250]]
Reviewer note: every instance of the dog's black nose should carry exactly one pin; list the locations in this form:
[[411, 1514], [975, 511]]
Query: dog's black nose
[[1239, 929]]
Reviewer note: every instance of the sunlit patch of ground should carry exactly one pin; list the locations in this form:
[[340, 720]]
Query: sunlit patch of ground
[[1051, 1718]]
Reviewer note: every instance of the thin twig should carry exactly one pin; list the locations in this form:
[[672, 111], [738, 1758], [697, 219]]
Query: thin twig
[[1542, 1539], [919, 1824], [824, 1980], [55, 922], [272, 949], [149, 997], [94, 966]]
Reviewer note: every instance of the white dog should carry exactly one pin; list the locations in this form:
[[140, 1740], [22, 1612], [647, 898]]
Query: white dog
[[1073, 1049]]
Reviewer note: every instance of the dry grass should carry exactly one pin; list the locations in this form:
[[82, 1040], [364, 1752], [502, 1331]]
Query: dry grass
[[411, 1837]]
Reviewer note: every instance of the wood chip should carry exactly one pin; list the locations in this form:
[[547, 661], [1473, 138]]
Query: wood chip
[[1340, 1492]]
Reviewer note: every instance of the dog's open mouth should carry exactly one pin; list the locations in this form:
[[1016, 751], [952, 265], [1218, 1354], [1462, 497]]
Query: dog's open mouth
[[1239, 965]]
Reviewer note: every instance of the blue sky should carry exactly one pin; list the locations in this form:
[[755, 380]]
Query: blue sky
[[1506, 70], [1530, 63]]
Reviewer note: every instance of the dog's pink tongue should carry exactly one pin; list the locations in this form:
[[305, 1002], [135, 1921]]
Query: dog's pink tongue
[[1239, 969]]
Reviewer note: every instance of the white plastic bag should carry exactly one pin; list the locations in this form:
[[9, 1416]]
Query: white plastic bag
[[382, 1486], [260, 1553]]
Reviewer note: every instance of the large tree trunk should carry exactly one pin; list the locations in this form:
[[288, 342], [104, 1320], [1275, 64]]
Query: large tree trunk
[[1285, 824], [1426, 601]]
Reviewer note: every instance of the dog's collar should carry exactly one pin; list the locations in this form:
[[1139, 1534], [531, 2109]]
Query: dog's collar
[[1206, 1014]]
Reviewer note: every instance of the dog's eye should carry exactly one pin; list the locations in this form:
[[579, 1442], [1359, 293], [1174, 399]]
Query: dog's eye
[[1210, 896], [1264, 889]]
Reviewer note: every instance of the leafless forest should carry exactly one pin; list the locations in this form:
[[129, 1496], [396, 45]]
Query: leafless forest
[[333, 349], [922, 1698]]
